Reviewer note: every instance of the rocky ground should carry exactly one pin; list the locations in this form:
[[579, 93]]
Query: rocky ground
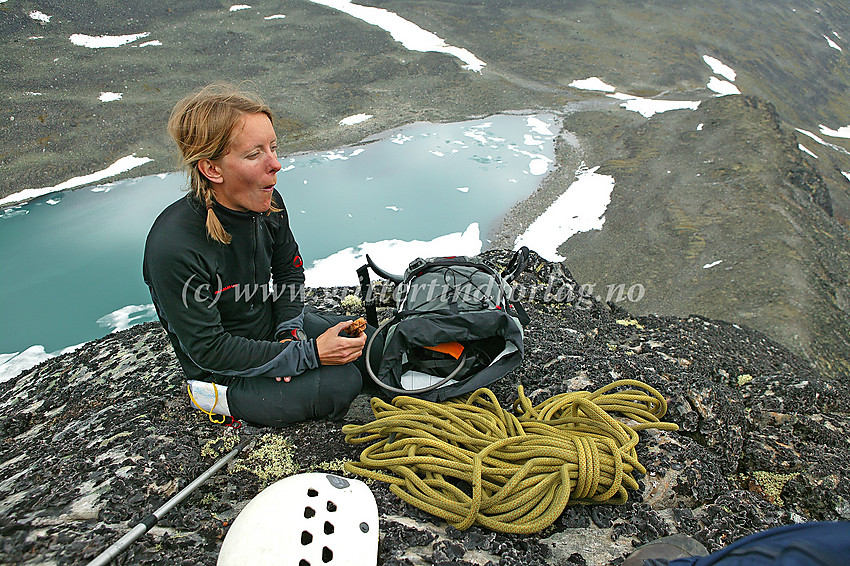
[[738, 190], [93, 441]]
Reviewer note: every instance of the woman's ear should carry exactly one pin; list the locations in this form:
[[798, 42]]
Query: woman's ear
[[210, 170]]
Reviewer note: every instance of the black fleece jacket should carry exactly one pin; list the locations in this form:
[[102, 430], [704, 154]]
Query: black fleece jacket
[[226, 306]]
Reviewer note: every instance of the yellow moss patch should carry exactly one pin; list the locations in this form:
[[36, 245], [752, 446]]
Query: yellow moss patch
[[351, 302], [218, 446], [270, 460], [770, 484], [630, 322], [744, 379], [334, 466]]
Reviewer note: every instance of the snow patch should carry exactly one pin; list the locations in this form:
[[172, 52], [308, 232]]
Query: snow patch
[[648, 108], [592, 83], [719, 68], [39, 16], [842, 132], [832, 43], [120, 166], [110, 96], [713, 264], [238, 7], [805, 149], [822, 142], [103, 41], [355, 119], [11, 365], [722, 88], [405, 32], [581, 208]]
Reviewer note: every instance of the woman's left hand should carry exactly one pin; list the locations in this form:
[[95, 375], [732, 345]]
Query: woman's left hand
[[336, 350]]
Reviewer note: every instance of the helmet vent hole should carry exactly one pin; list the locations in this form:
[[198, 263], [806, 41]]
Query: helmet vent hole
[[309, 512], [327, 555], [312, 492], [331, 506], [303, 562], [329, 528], [306, 538]]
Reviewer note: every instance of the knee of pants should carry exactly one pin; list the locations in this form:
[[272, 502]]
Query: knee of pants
[[338, 387]]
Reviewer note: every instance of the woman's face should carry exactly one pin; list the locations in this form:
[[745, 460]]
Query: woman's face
[[247, 173]]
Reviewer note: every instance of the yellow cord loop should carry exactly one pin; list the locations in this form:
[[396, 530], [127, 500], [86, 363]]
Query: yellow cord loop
[[209, 414], [469, 461]]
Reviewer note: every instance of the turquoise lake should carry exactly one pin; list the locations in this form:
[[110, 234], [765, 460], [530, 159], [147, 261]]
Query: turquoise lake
[[71, 261]]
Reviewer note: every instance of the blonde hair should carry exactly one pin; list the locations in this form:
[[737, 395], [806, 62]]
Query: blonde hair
[[202, 125]]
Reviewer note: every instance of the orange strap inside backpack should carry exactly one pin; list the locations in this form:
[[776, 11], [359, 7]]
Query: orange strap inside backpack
[[454, 349]]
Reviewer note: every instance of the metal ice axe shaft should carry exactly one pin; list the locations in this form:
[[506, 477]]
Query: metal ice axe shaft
[[148, 522]]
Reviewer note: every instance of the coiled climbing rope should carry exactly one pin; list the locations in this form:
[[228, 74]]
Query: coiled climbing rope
[[469, 461]]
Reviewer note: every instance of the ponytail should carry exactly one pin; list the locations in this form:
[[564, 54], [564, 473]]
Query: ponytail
[[215, 231]]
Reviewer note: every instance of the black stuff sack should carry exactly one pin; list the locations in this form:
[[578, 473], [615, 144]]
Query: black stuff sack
[[455, 328]]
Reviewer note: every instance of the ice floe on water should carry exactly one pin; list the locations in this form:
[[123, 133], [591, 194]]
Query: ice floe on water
[[125, 317], [103, 41], [354, 119], [539, 166], [110, 96], [392, 255], [648, 108], [581, 208], [592, 83], [400, 139], [13, 364], [405, 32], [122, 165], [39, 16], [537, 126], [843, 132]]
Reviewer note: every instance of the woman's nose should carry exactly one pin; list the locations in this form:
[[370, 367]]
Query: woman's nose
[[275, 163]]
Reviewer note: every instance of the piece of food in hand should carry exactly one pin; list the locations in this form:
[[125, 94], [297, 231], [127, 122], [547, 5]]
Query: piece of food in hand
[[356, 327]]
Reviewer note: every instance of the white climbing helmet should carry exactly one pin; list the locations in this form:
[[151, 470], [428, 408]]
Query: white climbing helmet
[[305, 520]]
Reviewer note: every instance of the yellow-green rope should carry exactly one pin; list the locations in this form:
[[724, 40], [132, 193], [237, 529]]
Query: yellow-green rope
[[522, 468]]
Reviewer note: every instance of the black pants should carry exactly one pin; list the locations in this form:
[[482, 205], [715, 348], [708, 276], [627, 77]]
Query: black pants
[[326, 391]]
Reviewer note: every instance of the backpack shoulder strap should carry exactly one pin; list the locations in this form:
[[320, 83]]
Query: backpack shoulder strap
[[366, 287]]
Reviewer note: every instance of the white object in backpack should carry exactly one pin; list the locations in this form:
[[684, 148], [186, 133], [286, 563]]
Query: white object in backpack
[[305, 520]]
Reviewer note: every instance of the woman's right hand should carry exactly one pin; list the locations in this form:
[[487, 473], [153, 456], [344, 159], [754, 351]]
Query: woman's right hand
[[336, 350]]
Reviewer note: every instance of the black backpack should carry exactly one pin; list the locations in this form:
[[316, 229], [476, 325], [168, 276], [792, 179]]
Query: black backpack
[[455, 328]]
